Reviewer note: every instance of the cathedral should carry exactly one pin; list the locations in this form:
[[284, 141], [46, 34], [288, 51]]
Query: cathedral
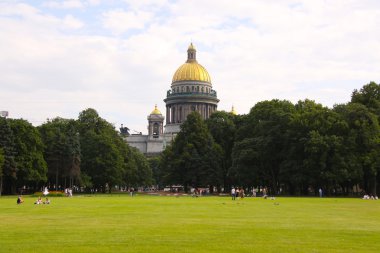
[[191, 90]]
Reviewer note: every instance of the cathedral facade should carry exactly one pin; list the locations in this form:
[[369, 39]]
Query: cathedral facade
[[191, 90]]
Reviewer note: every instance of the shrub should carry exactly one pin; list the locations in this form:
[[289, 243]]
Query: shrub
[[51, 194]]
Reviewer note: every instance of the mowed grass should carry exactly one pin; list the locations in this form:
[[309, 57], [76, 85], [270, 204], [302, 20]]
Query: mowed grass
[[119, 223]]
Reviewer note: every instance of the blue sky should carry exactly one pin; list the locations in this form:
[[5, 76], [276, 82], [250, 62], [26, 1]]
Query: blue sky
[[118, 57]]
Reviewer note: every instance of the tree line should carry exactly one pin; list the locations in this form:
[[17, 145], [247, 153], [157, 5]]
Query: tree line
[[289, 148], [62, 153]]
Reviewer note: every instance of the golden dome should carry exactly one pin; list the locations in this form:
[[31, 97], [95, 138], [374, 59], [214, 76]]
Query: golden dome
[[155, 111], [191, 70]]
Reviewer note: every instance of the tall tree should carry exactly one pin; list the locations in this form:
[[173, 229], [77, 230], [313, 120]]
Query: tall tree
[[2, 161], [102, 156], [154, 164], [223, 129], [138, 170], [368, 95], [316, 155], [62, 151], [30, 163], [195, 159], [262, 144], [364, 142], [73, 151], [9, 175]]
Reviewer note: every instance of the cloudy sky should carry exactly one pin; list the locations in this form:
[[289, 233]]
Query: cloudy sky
[[58, 58]]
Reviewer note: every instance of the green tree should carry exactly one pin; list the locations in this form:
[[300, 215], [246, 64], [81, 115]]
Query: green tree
[[193, 159], [62, 151], [103, 158], [368, 95], [9, 174], [2, 161], [223, 129], [154, 164], [138, 170], [262, 144], [316, 154], [364, 142], [30, 163]]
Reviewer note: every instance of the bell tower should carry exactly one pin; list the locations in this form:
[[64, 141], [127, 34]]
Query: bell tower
[[155, 124]]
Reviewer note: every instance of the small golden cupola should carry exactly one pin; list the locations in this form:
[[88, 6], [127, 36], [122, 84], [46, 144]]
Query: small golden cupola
[[155, 111], [233, 111]]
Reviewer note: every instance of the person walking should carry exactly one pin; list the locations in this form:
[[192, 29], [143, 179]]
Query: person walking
[[253, 192], [320, 192], [233, 193]]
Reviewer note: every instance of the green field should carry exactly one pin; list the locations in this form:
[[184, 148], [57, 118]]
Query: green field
[[119, 223]]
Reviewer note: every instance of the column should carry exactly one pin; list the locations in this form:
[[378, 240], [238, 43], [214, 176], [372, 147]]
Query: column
[[167, 115]]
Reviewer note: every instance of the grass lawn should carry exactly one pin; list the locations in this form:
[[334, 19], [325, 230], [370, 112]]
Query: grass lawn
[[119, 223]]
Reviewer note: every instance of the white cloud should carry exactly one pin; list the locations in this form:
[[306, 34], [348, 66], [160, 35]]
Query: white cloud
[[67, 4], [146, 4], [93, 2], [120, 21], [72, 22]]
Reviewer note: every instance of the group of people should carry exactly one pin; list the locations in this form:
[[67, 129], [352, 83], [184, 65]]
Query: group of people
[[366, 196], [68, 192], [196, 192], [132, 191], [237, 192], [39, 201]]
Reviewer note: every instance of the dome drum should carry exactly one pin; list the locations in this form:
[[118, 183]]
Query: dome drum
[[211, 94]]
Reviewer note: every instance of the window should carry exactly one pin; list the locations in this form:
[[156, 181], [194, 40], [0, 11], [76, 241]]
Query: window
[[156, 130]]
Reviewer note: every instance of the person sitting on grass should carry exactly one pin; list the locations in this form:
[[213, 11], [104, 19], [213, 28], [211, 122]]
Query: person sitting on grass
[[38, 201], [19, 200], [47, 201]]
